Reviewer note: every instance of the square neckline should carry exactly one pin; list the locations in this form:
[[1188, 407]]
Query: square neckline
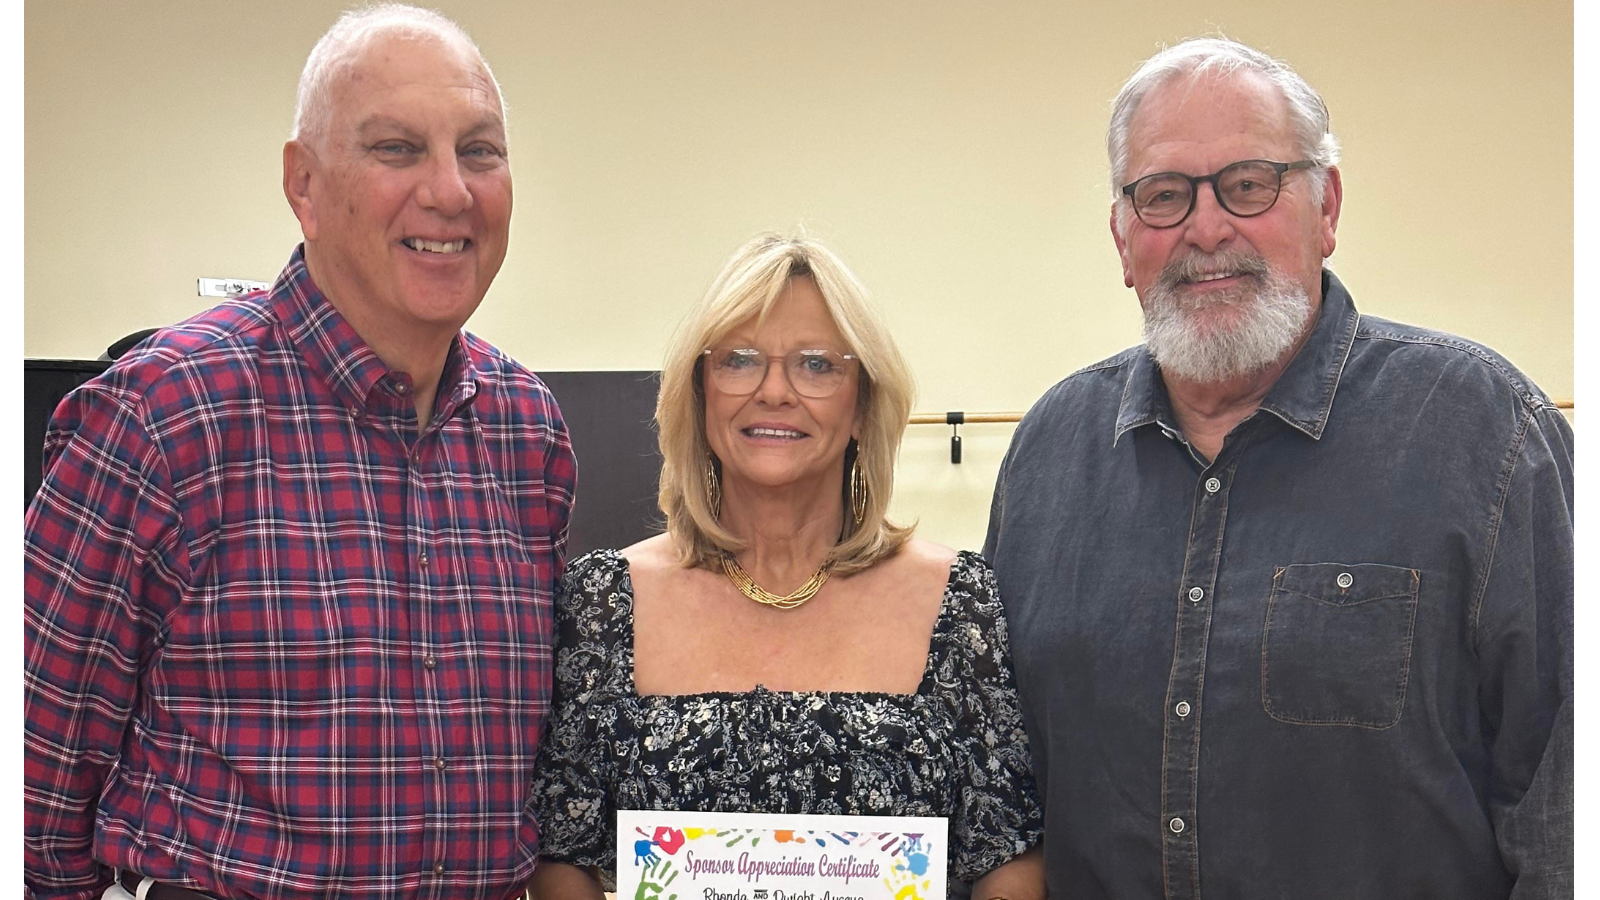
[[941, 625]]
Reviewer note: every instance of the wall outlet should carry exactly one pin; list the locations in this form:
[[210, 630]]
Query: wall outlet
[[229, 287]]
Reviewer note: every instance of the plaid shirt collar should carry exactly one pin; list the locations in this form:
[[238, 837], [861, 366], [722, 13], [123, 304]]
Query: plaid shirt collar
[[333, 350]]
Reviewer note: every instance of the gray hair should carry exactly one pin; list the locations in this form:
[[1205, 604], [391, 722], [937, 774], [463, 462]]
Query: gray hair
[[1308, 115], [355, 29]]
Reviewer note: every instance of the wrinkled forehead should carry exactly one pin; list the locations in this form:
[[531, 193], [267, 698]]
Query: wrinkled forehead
[[397, 73], [1209, 107]]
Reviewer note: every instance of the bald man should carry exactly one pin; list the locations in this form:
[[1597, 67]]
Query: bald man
[[288, 579]]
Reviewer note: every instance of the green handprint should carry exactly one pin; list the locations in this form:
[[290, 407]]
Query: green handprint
[[655, 879]]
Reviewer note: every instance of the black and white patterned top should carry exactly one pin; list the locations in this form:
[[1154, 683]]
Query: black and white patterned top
[[954, 748]]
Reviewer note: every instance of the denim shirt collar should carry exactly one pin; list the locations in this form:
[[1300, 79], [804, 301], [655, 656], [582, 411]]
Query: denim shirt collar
[[1302, 396]]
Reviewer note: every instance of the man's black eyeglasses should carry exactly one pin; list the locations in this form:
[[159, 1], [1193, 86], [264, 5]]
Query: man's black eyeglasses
[[1246, 188]]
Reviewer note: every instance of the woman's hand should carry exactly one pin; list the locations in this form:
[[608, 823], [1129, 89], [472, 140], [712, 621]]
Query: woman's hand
[[1021, 878], [559, 881]]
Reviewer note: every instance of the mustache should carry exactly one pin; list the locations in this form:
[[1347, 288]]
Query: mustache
[[1193, 266]]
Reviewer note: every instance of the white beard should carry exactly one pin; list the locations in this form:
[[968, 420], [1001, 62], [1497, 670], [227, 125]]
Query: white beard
[[1273, 310]]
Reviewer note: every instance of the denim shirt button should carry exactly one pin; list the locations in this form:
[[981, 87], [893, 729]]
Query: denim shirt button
[[1196, 594], [1213, 485], [1344, 580], [1182, 709], [1176, 825]]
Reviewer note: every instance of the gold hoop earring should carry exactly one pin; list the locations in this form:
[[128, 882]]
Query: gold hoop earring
[[858, 489], [713, 487]]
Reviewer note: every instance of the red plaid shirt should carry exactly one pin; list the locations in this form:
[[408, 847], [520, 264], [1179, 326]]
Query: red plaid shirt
[[279, 644]]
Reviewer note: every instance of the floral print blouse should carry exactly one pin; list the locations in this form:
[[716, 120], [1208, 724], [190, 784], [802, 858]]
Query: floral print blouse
[[954, 748]]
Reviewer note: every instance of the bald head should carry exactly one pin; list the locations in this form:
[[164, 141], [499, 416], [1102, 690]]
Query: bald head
[[399, 175], [337, 53]]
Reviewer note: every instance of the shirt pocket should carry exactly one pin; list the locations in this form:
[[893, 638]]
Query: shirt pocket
[[1336, 647]]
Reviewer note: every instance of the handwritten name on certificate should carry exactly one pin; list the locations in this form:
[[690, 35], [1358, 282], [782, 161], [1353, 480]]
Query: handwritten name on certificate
[[664, 855]]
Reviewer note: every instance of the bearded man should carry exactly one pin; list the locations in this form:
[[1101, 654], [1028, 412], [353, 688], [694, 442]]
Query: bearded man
[[1342, 545]]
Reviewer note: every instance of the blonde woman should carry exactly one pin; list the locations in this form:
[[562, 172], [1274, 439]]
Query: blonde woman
[[783, 647]]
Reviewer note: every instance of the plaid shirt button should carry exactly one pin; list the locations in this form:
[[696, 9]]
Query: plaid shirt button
[[254, 431]]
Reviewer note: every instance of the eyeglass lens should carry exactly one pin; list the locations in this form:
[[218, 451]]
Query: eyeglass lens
[[1246, 188], [812, 373]]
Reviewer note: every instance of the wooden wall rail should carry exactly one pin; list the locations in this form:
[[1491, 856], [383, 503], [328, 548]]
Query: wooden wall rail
[[966, 418]]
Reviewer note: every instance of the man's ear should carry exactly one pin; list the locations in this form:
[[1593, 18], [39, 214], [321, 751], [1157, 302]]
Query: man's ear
[[1332, 201], [1122, 247], [298, 164]]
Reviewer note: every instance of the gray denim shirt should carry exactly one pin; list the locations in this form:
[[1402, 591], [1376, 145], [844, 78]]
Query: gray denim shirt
[[1336, 661]]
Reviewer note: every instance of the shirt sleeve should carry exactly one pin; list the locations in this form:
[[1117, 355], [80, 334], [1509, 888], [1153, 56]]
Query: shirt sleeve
[[997, 815], [572, 801], [1524, 637], [101, 568], [997, 511], [560, 483]]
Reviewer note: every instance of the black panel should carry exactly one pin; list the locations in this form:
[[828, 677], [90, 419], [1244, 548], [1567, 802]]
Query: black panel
[[45, 382], [608, 414]]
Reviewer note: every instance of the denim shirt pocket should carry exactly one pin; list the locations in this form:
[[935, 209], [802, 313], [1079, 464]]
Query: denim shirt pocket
[[1336, 646]]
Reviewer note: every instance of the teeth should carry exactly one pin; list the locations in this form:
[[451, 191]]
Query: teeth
[[773, 432], [435, 246], [1214, 276]]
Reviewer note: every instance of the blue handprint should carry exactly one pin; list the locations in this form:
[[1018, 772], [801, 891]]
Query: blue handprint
[[916, 861], [644, 852]]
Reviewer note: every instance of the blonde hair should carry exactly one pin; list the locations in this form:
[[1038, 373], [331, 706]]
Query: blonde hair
[[747, 287]]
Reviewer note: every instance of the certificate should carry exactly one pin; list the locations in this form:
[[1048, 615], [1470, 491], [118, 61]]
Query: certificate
[[663, 855]]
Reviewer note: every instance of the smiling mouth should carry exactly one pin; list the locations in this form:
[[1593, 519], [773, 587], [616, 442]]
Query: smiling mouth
[[782, 434], [423, 245], [1204, 277]]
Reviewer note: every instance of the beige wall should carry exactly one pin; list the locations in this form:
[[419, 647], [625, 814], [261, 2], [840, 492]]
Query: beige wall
[[951, 151]]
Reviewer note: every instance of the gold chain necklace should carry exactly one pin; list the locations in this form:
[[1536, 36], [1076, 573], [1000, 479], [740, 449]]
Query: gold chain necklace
[[747, 585]]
